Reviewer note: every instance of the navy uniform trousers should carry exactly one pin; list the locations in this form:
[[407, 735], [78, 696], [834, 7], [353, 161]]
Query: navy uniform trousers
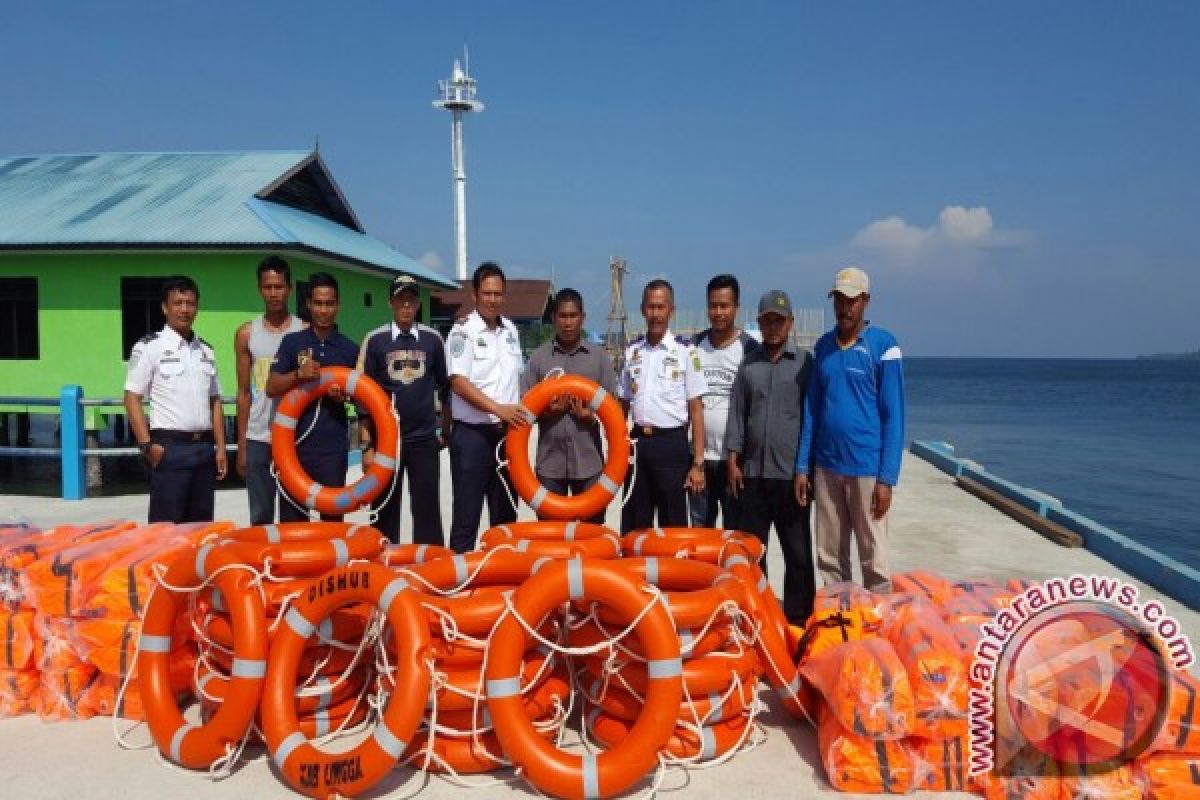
[[473, 474], [663, 460], [420, 463], [183, 483]]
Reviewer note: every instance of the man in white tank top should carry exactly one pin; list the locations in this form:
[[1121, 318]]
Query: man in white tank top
[[255, 344]]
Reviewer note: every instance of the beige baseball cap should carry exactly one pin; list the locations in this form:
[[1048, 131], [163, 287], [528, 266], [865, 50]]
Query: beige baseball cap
[[851, 282]]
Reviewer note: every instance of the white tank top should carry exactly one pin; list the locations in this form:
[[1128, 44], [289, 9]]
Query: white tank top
[[263, 345]]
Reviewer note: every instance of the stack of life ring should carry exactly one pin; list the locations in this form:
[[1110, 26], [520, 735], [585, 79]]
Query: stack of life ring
[[720, 665], [336, 666], [465, 596]]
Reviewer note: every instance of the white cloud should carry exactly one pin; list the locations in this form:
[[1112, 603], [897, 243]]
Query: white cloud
[[957, 232], [432, 260]]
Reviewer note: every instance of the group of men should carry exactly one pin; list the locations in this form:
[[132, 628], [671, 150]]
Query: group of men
[[748, 430]]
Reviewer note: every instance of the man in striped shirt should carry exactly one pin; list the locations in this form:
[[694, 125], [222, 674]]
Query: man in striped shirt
[[853, 436]]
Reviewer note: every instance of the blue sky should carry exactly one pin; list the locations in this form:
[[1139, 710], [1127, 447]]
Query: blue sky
[[1021, 179]]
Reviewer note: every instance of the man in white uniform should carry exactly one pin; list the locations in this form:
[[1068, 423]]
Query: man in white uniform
[[184, 442], [485, 359], [661, 386]]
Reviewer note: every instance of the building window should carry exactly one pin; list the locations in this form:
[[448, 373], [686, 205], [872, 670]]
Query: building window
[[302, 292], [366, 299], [19, 319], [141, 310]]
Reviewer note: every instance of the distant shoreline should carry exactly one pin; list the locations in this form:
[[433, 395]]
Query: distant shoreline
[[1192, 356]]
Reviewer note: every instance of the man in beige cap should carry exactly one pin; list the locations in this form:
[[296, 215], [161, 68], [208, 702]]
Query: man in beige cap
[[853, 436]]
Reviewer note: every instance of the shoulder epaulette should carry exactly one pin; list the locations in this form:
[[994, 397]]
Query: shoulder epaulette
[[148, 338], [461, 321], [200, 339]]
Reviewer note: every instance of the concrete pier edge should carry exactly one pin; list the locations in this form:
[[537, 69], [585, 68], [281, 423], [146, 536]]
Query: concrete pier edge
[[1175, 579]]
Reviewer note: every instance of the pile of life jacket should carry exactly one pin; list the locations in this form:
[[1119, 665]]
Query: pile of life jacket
[[889, 681]]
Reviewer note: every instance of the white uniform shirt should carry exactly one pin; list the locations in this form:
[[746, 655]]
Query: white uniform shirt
[[179, 377], [489, 359], [659, 380]]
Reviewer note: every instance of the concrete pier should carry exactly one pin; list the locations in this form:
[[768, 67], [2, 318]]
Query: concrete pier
[[934, 525]]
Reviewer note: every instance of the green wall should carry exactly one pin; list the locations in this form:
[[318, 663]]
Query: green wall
[[79, 299]]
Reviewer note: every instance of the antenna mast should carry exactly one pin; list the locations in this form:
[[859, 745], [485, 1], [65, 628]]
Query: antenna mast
[[457, 96], [617, 337]]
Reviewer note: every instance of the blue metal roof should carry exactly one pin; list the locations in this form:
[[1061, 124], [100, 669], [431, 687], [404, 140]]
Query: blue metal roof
[[162, 200]]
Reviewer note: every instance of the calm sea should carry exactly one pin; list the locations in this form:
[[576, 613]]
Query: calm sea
[[1117, 441]]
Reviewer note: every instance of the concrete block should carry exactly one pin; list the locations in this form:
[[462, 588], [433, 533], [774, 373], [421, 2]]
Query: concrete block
[[1164, 573], [940, 454], [1036, 501]]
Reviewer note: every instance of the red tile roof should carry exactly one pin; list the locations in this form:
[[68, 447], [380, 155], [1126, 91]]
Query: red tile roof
[[525, 299]]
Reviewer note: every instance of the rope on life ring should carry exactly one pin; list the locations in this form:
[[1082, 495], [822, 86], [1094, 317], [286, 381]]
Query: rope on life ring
[[586, 504], [335, 500]]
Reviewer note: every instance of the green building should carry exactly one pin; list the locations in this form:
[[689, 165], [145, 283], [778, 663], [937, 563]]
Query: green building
[[85, 241]]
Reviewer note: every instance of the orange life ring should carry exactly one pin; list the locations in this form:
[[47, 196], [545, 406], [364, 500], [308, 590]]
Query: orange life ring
[[616, 701], [335, 500], [693, 591], [405, 555], [343, 629], [490, 574], [193, 746], [305, 549], [690, 645], [605, 545], [712, 741], [212, 687], [539, 701], [463, 686], [707, 544], [588, 503], [549, 769], [705, 675], [303, 766], [552, 530], [775, 657]]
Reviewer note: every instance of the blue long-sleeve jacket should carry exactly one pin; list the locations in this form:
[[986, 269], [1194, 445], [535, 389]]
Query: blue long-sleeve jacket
[[854, 408]]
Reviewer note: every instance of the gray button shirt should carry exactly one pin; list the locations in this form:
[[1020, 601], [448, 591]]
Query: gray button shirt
[[766, 412], [567, 448]]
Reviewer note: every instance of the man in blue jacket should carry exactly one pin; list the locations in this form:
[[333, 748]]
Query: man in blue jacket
[[854, 435]]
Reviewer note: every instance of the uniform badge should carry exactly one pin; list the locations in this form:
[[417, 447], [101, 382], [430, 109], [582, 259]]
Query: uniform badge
[[480, 342], [675, 375], [633, 387], [637, 356], [458, 343], [696, 362]]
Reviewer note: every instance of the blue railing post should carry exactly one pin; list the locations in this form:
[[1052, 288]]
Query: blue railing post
[[70, 409]]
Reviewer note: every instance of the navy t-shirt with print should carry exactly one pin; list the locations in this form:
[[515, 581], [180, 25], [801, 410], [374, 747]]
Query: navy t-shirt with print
[[412, 368], [329, 434]]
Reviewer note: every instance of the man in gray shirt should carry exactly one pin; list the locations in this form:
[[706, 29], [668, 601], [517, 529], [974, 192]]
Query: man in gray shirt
[[766, 412], [569, 454]]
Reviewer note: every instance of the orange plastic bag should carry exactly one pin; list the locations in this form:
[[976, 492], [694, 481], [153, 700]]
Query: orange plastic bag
[[1181, 732], [19, 691], [18, 552], [937, 672], [54, 647], [866, 687], [110, 643], [16, 646], [63, 690], [920, 582], [124, 586], [61, 584], [1023, 788], [848, 597], [1171, 776], [941, 765], [1119, 784], [859, 764]]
